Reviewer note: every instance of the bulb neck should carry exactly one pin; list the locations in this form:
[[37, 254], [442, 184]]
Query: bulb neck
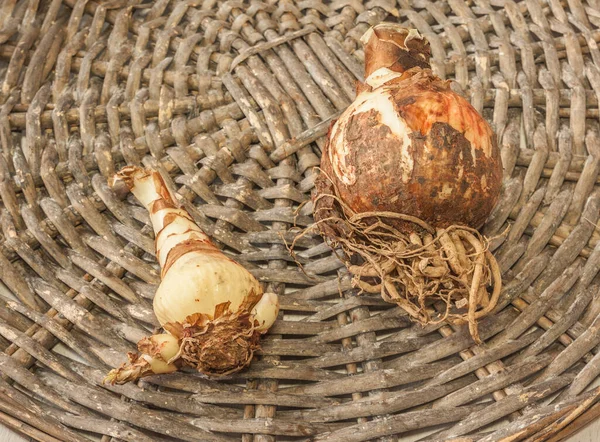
[[390, 46]]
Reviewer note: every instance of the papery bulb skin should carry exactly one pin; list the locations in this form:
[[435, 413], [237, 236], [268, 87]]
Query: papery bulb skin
[[393, 47], [409, 144]]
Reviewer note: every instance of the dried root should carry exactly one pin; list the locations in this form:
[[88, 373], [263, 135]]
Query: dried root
[[215, 345], [412, 264]]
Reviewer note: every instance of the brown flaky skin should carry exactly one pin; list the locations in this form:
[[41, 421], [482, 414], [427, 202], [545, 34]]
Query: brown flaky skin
[[391, 46], [441, 163]]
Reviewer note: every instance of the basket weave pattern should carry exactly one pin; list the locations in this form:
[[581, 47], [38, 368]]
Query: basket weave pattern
[[231, 101]]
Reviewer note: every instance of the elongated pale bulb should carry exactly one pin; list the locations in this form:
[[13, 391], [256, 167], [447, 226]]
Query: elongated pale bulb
[[212, 308]]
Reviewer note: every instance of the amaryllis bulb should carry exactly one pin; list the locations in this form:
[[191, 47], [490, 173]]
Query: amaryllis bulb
[[409, 171], [212, 308], [408, 143]]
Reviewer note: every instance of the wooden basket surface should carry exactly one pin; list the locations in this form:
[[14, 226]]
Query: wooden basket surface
[[232, 101]]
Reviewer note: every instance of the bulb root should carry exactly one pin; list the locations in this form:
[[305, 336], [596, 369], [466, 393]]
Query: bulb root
[[412, 264], [215, 346]]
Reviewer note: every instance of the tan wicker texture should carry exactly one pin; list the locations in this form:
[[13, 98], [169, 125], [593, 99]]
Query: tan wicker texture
[[232, 101]]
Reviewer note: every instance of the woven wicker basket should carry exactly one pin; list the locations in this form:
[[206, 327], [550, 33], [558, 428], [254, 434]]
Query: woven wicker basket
[[232, 101]]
